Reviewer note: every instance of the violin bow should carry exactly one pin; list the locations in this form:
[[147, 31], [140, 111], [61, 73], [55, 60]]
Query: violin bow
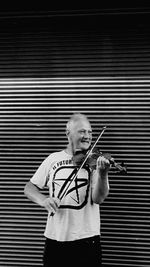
[[64, 193]]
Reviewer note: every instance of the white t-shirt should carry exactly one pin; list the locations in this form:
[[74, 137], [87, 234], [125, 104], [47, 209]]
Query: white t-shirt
[[77, 217]]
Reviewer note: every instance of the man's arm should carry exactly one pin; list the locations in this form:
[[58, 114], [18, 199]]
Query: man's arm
[[33, 193], [100, 188]]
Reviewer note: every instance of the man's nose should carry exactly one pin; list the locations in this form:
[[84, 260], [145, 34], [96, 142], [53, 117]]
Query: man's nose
[[87, 135]]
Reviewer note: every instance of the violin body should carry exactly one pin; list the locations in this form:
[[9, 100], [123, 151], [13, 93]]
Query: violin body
[[80, 156]]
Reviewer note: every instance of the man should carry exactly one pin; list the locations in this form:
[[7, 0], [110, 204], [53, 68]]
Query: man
[[73, 224]]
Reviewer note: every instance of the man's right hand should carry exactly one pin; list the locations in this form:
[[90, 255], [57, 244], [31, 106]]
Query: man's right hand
[[51, 204]]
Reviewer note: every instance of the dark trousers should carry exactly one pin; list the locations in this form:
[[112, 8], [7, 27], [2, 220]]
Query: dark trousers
[[85, 251]]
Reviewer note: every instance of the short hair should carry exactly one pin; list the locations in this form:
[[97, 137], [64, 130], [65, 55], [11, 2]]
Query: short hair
[[75, 117]]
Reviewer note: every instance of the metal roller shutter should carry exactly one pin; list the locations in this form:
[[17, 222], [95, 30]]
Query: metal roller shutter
[[103, 74]]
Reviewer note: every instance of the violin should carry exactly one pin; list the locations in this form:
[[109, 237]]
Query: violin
[[91, 161], [90, 157]]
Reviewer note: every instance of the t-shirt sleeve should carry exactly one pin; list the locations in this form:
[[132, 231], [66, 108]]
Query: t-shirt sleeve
[[41, 175]]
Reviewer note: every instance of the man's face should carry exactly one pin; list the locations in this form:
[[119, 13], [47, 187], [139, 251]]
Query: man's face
[[81, 135]]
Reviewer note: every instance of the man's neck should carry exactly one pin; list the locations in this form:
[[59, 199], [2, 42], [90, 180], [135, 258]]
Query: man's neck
[[69, 150]]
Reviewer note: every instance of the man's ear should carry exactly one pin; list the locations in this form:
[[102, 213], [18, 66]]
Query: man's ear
[[67, 133]]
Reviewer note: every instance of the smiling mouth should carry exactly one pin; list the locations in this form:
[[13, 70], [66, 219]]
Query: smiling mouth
[[85, 142]]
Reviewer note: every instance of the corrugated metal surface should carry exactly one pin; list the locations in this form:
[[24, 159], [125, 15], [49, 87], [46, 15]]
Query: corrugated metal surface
[[33, 117], [103, 74]]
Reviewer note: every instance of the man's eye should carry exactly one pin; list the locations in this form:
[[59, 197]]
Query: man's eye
[[83, 132]]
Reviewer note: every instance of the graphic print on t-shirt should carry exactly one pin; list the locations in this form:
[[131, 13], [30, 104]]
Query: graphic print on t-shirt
[[77, 192]]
